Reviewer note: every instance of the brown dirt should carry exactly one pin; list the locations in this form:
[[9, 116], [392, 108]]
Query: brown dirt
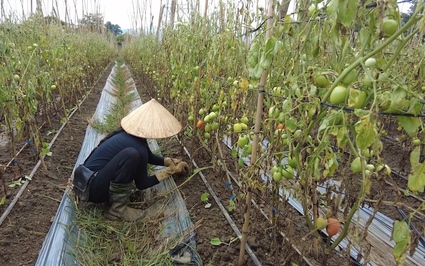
[[25, 228]]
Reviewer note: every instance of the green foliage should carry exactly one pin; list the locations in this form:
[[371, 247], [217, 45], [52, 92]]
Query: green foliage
[[114, 28], [401, 235]]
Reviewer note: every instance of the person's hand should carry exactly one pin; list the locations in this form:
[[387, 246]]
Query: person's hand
[[168, 161]]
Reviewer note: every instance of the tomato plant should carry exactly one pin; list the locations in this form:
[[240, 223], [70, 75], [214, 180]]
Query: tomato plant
[[353, 58]]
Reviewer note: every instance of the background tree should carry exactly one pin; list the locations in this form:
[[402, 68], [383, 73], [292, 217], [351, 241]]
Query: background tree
[[114, 28], [93, 22]]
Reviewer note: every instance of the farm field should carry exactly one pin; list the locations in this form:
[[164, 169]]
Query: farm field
[[304, 130]]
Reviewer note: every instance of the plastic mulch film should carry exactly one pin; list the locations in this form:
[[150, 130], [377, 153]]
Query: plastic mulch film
[[57, 246]]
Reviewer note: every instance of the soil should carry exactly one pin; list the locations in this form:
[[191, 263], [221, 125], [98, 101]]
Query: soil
[[25, 228]]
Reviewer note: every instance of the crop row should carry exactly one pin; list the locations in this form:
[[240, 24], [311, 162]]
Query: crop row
[[45, 70], [328, 81]]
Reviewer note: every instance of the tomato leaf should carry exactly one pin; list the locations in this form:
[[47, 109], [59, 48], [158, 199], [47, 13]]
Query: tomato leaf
[[410, 124], [270, 47], [342, 137], [347, 11], [334, 118], [366, 132], [291, 124], [401, 235], [343, 11], [401, 231], [416, 180]]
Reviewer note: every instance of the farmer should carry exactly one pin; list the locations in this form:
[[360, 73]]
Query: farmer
[[122, 157]]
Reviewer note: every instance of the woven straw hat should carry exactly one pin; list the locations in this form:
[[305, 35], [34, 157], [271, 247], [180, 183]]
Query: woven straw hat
[[151, 121]]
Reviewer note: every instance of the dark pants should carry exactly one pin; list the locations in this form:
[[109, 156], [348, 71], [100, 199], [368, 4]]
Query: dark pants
[[122, 169]]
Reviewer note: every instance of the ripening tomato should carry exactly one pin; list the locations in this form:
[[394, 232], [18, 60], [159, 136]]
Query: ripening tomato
[[333, 226], [200, 124]]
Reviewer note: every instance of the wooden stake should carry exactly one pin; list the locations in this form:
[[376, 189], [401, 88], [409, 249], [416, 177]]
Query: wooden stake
[[259, 112], [173, 12], [206, 9], [158, 29]]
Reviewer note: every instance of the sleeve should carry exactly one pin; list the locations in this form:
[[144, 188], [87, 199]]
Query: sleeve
[[143, 180], [154, 158]]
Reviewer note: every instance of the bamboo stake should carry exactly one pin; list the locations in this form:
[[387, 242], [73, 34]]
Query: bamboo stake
[[173, 12], [258, 115], [206, 9], [158, 29], [222, 20]]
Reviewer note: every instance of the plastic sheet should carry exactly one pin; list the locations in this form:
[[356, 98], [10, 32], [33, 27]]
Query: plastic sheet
[[57, 246]]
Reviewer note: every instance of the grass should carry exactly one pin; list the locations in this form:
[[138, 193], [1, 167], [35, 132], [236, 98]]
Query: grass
[[124, 96], [105, 242]]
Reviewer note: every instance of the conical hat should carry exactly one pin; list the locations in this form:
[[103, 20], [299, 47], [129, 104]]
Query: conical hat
[[151, 121]]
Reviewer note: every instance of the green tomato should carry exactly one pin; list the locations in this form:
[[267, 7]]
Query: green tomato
[[311, 10], [389, 27], [370, 62], [349, 78], [297, 133], [287, 172], [237, 128], [338, 95], [277, 176], [367, 81], [321, 81], [207, 135], [356, 165], [244, 120], [201, 111], [249, 148], [216, 107], [212, 115], [214, 126], [190, 118], [243, 141], [370, 167], [416, 142], [321, 223]]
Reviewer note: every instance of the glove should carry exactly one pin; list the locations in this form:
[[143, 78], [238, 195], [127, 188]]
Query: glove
[[181, 169], [171, 161], [164, 173]]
